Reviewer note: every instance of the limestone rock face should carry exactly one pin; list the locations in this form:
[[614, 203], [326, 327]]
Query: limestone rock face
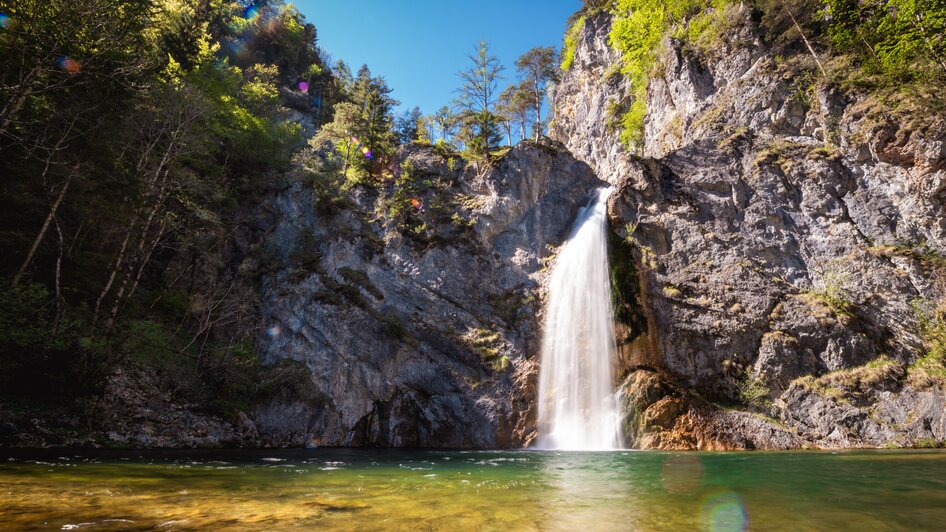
[[416, 338], [780, 230]]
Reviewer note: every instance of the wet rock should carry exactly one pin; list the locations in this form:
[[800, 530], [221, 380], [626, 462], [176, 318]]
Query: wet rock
[[774, 238]]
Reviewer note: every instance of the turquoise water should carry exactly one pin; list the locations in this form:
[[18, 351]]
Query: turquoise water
[[434, 490]]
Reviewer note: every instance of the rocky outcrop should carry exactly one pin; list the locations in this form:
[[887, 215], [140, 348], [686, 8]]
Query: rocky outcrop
[[135, 411], [416, 329], [782, 228]]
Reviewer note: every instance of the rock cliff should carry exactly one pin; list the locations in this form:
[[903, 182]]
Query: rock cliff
[[785, 235], [417, 335]]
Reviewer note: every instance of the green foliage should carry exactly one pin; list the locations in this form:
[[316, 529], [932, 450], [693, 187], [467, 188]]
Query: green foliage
[[488, 345], [931, 320], [373, 96], [637, 31], [753, 390], [571, 41], [901, 39], [625, 287], [167, 118], [848, 384], [400, 203], [325, 174], [479, 123], [150, 344], [833, 293], [39, 353], [537, 66], [710, 21], [409, 125], [516, 108], [394, 327], [362, 130]]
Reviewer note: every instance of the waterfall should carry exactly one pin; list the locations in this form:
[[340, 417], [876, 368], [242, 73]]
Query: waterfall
[[578, 409]]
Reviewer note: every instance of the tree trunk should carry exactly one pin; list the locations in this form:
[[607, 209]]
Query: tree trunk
[[347, 160], [538, 110], [802, 33], [140, 257], [59, 300], [120, 257], [147, 258], [42, 232]]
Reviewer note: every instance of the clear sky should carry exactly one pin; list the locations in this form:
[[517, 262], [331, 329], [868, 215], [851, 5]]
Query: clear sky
[[420, 45]]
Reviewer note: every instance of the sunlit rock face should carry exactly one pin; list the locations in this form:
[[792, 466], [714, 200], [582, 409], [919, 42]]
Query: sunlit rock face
[[409, 337], [776, 236]]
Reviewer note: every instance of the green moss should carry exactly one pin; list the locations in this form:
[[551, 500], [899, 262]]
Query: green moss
[[625, 289], [571, 42], [488, 345], [637, 31], [929, 443], [852, 383], [930, 370], [672, 292], [360, 279], [394, 327]]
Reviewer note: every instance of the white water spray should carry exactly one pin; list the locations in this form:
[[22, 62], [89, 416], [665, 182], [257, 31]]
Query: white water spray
[[578, 409]]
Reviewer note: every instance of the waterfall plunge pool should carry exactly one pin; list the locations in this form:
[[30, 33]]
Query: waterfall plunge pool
[[348, 489]]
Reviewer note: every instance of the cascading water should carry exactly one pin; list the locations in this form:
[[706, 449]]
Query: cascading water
[[578, 409]]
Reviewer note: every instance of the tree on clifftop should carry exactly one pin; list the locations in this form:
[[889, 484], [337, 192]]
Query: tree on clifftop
[[538, 67], [515, 105], [477, 101], [373, 96]]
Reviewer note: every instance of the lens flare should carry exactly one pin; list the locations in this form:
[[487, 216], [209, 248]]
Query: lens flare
[[304, 86], [364, 149], [69, 64], [251, 12], [273, 331], [5, 20], [681, 473], [723, 512]]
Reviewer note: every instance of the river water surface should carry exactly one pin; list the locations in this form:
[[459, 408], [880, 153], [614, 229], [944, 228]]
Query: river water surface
[[503, 490]]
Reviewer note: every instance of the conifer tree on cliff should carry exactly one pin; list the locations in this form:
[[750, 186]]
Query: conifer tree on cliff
[[373, 96], [538, 67], [477, 101]]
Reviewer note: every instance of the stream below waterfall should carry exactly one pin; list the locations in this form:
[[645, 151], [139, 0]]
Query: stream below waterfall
[[341, 489]]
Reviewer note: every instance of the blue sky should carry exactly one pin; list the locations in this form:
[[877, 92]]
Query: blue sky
[[420, 45]]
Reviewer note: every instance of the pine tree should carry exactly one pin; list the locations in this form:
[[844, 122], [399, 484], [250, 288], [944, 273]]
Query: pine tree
[[477, 101], [538, 67], [373, 96], [445, 122], [409, 125]]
